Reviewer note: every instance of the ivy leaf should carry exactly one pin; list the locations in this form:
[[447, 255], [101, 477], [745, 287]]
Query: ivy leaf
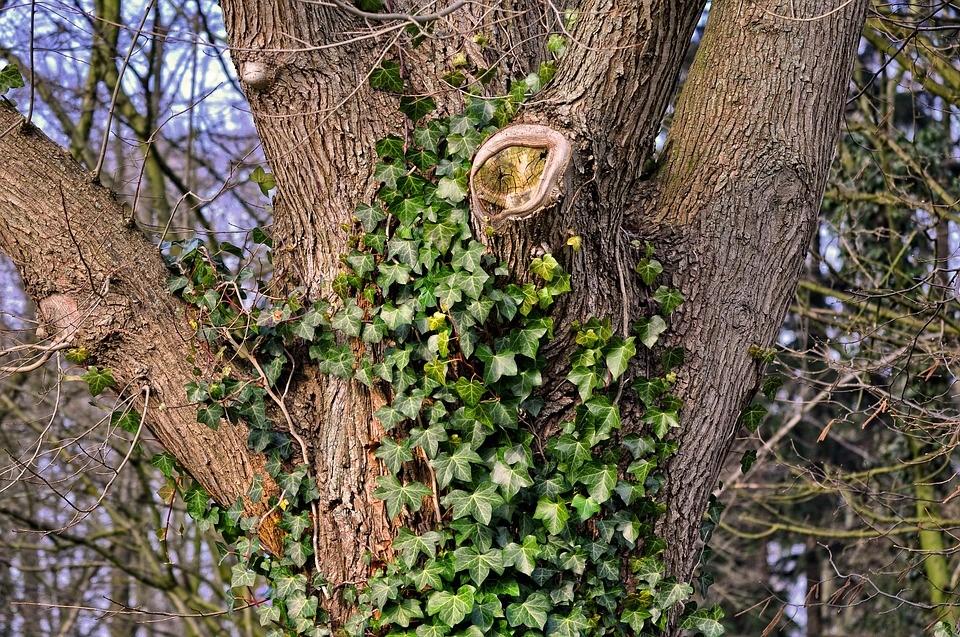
[[268, 614], [451, 190], [649, 269], [403, 250], [510, 478], [411, 546], [650, 329], [618, 357], [369, 216], [496, 365], [451, 608], [532, 613], [649, 569], [572, 451], [455, 466], [128, 420], [386, 77], [397, 495], [165, 462], [661, 421], [337, 361], [286, 585], [470, 391], [669, 299], [394, 454], [746, 461], [396, 317], [522, 557], [391, 273], [705, 621], [467, 258], [416, 107], [585, 379], [478, 564], [600, 480], [586, 507], [478, 504], [10, 77], [573, 625], [388, 417], [553, 513], [348, 319], [427, 576], [402, 612], [390, 146], [527, 341], [429, 137], [97, 380], [362, 263], [242, 576], [671, 594], [752, 417], [210, 415], [544, 267], [428, 439]]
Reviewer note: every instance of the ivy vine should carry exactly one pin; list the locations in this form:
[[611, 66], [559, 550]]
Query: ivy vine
[[538, 535]]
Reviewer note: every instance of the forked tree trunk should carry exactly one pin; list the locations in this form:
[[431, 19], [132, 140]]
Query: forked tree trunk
[[730, 208]]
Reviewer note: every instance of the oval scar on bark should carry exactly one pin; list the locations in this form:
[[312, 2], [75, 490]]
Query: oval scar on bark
[[517, 172]]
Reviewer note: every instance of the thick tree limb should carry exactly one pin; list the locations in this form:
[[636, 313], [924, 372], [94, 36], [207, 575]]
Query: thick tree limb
[[747, 162], [99, 283]]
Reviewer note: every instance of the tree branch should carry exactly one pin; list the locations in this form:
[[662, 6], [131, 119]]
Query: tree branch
[[98, 280]]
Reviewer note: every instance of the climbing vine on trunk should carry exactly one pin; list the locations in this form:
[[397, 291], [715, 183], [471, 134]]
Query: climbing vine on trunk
[[502, 526]]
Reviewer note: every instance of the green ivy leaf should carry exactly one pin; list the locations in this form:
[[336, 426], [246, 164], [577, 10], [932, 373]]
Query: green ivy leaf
[[532, 613], [586, 507], [411, 546], [650, 329], [428, 439], [511, 478], [394, 453], [478, 564], [661, 421], [402, 613], [370, 216], [705, 621], [416, 107], [211, 415], [242, 576], [668, 298], [671, 594], [522, 557], [599, 479], [10, 77], [649, 269], [571, 625], [553, 513], [397, 495], [618, 357], [98, 380], [586, 381], [455, 466], [349, 319], [496, 365], [478, 504], [449, 607], [470, 391], [386, 77]]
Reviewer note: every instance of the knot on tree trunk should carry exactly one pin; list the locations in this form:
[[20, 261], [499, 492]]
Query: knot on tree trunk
[[517, 173]]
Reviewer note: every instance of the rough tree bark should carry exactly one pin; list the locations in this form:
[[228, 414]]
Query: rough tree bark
[[731, 207]]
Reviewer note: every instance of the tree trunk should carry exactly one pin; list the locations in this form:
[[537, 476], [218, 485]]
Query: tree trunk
[[730, 208]]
